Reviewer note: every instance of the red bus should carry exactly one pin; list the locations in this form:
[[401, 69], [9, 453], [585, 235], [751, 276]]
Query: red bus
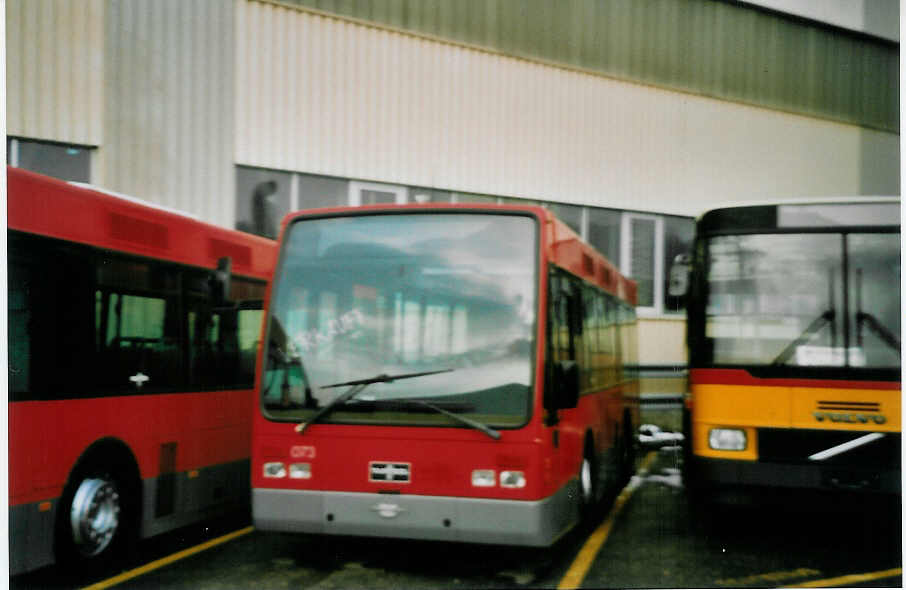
[[444, 372], [132, 355]]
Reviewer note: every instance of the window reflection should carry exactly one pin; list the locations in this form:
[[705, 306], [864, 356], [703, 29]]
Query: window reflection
[[779, 299], [363, 295]]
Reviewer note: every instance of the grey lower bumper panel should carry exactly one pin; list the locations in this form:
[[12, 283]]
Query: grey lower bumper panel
[[504, 522]]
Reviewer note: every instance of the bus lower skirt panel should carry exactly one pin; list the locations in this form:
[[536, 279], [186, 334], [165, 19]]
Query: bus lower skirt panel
[[30, 536], [504, 522]]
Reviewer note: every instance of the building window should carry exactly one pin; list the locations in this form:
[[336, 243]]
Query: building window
[[263, 197], [678, 235], [373, 193], [320, 191], [474, 198], [63, 161], [641, 256], [428, 195], [571, 215], [642, 245], [604, 232]]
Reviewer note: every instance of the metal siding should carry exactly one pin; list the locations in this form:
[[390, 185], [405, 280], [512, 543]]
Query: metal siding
[[725, 49], [380, 105], [169, 121], [54, 51]]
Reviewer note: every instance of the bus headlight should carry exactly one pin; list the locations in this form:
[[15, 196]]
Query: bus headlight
[[274, 470], [512, 479], [300, 471], [727, 439], [484, 478]]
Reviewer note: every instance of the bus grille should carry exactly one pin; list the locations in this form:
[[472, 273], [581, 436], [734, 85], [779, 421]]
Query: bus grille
[[389, 472]]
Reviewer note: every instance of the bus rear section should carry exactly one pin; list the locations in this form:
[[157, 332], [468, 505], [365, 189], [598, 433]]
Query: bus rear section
[[132, 357], [408, 352], [794, 337]]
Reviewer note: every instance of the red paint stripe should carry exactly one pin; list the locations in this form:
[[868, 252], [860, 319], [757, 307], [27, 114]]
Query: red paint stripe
[[743, 377]]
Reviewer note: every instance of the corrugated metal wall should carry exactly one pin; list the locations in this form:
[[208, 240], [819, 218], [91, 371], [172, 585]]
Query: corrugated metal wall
[[715, 48], [168, 125], [328, 96], [54, 70], [149, 83]]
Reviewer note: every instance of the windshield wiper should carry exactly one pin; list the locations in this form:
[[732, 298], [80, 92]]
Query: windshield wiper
[[356, 387], [818, 323], [462, 419]]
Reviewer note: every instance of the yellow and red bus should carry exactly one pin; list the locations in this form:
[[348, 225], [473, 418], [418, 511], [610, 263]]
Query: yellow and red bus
[[794, 341], [447, 372], [132, 350]]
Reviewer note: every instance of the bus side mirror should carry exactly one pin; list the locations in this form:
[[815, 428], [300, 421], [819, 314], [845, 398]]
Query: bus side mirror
[[566, 384], [679, 275]]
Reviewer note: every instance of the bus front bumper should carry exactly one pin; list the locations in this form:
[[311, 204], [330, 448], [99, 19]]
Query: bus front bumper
[[720, 473], [472, 520]]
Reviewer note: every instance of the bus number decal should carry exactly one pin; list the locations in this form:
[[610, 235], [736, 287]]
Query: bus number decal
[[302, 452]]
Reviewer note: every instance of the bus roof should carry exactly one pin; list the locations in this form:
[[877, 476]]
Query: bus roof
[[561, 244], [811, 214], [47, 206]]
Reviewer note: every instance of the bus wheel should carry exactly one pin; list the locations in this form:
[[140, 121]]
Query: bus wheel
[[97, 521], [588, 483], [627, 450]]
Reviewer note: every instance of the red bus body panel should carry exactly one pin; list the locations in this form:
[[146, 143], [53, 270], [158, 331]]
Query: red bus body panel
[[442, 459], [47, 438]]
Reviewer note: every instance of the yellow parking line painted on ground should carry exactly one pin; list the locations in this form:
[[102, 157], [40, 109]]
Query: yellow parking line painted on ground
[[850, 579], [168, 560], [582, 563]]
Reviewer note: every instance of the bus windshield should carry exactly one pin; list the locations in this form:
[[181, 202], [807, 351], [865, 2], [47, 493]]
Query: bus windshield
[[804, 299], [451, 295]]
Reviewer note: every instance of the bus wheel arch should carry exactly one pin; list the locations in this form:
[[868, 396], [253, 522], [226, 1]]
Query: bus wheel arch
[[98, 516]]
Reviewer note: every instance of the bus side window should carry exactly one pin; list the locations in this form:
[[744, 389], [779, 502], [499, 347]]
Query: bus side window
[[19, 317], [223, 337], [137, 327], [50, 315]]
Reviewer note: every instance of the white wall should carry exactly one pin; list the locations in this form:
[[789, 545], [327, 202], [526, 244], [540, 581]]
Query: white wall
[[322, 95], [54, 70]]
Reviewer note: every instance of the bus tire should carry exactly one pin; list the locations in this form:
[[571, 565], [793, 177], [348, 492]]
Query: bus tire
[[589, 482], [627, 450], [98, 515]]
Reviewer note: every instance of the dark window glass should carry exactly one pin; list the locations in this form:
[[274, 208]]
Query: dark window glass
[[515, 201], [262, 199], [223, 336], [428, 195], [604, 232], [678, 235], [66, 162], [473, 198], [50, 318], [84, 322], [322, 191], [138, 326], [571, 215], [19, 318], [642, 232]]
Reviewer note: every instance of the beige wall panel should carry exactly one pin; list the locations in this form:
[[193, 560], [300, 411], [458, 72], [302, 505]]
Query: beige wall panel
[[54, 52], [662, 341], [169, 122], [379, 105]]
